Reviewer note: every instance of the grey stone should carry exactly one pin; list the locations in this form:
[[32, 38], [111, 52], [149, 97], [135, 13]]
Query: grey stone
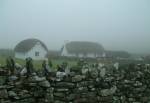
[[13, 78], [12, 94], [60, 75], [45, 84], [77, 78], [36, 79], [71, 97], [65, 84], [94, 73], [107, 92], [3, 93], [61, 90], [58, 94], [103, 72]]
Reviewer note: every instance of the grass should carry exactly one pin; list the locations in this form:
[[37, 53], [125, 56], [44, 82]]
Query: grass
[[58, 61], [38, 64], [2, 60]]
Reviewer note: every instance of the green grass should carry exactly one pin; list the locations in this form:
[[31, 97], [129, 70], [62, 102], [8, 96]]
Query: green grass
[[38, 64], [2, 60]]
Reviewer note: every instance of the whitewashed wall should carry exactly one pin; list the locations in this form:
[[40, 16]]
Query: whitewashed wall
[[65, 53], [90, 55]]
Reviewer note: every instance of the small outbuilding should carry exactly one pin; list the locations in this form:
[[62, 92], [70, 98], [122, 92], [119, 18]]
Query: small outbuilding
[[33, 48]]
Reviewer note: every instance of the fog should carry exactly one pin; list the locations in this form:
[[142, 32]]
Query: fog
[[116, 24]]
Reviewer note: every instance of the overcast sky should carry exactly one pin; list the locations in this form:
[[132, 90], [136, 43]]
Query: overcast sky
[[116, 24]]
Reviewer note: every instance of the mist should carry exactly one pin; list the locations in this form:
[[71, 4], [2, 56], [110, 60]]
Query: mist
[[116, 24]]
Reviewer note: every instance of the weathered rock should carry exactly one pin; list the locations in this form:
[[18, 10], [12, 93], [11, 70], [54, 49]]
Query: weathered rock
[[65, 84], [61, 90], [108, 92], [3, 94], [103, 72], [77, 78], [58, 94], [57, 101], [71, 97], [94, 74], [49, 98], [81, 100], [27, 100], [60, 75], [45, 84], [118, 86], [13, 78], [36, 78], [23, 71], [13, 95], [24, 94], [32, 84], [105, 99]]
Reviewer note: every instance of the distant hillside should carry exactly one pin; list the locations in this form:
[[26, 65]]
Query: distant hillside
[[6, 52], [53, 53], [121, 54]]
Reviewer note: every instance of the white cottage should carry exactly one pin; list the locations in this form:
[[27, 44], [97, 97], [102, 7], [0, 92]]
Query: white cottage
[[33, 48], [82, 49]]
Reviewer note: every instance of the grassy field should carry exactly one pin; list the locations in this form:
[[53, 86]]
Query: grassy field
[[37, 64], [70, 61]]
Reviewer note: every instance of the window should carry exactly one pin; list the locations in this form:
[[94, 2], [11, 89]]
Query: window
[[37, 53]]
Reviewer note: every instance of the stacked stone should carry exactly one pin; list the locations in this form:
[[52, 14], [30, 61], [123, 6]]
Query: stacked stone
[[134, 86], [62, 92], [26, 90], [85, 89], [74, 89], [91, 86]]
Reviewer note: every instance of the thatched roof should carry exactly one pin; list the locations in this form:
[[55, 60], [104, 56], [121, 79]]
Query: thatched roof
[[84, 47], [27, 45]]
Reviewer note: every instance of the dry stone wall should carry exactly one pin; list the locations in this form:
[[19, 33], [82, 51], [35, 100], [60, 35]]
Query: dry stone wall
[[120, 86]]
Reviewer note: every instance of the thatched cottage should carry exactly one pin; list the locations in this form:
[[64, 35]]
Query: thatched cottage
[[33, 48], [83, 49]]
